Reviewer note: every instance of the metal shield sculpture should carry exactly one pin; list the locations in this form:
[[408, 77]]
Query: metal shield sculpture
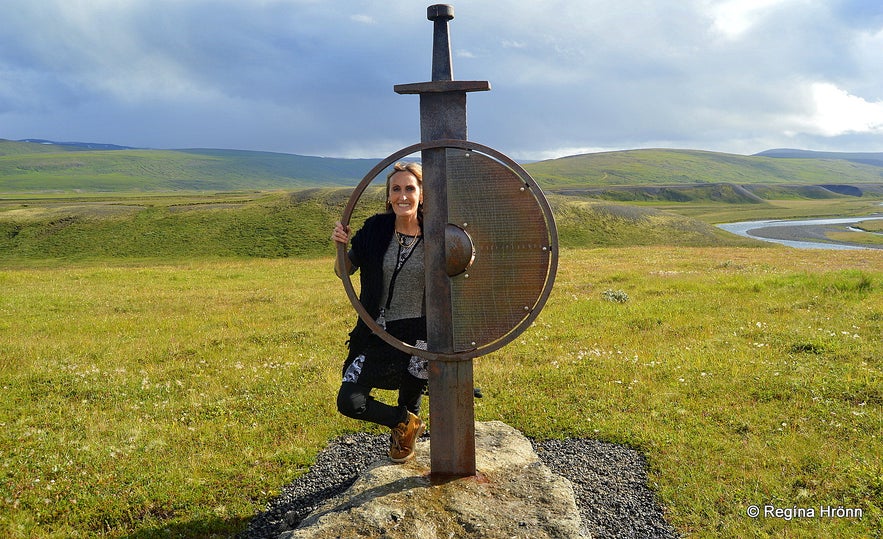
[[499, 287], [491, 251]]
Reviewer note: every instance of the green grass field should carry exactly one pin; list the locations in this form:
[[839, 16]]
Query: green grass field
[[174, 398], [273, 224], [169, 360]]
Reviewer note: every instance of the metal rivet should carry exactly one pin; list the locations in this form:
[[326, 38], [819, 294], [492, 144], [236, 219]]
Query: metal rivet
[[522, 189], [526, 308], [545, 248], [465, 225], [465, 275]]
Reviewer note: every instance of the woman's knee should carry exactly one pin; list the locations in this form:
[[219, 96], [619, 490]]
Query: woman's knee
[[351, 400]]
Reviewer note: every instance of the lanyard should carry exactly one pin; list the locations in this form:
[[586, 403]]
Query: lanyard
[[402, 257]]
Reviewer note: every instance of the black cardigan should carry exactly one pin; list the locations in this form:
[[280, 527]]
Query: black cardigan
[[368, 248]]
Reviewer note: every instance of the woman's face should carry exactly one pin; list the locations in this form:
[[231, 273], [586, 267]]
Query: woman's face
[[405, 194]]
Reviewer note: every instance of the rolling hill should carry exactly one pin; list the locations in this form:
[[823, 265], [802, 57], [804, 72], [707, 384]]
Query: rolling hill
[[277, 224], [40, 167], [868, 158], [73, 201], [35, 167], [680, 167]]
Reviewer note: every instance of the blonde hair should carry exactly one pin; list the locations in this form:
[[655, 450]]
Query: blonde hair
[[414, 168]]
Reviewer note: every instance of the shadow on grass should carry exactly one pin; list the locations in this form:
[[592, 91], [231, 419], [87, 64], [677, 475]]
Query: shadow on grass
[[204, 528]]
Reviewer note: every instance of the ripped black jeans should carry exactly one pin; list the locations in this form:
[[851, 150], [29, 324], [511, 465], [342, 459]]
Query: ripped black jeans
[[355, 400]]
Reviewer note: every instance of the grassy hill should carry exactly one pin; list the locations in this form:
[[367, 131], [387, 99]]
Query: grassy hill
[[678, 167], [34, 168], [73, 202], [28, 167], [279, 224], [870, 158]]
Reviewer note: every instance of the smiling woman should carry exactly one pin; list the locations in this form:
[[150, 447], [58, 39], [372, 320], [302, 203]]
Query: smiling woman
[[388, 250]]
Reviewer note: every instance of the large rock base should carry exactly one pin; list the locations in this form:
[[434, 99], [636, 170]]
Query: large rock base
[[513, 495]]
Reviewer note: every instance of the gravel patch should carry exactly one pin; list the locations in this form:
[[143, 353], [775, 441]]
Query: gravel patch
[[796, 233], [610, 484], [609, 481]]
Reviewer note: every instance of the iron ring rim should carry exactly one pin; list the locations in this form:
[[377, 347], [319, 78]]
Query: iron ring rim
[[518, 328]]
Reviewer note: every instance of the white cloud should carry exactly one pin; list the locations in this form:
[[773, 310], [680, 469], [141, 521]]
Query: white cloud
[[568, 77], [837, 112], [735, 17], [559, 152], [364, 19]]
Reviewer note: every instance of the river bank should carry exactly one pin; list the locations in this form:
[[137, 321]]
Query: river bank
[[803, 234]]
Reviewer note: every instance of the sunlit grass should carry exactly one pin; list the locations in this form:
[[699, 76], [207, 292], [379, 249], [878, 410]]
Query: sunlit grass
[[157, 399], [798, 208], [865, 233], [871, 226], [856, 237], [748, 377]]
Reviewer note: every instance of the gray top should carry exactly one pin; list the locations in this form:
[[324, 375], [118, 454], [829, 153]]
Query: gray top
[[408, 293]]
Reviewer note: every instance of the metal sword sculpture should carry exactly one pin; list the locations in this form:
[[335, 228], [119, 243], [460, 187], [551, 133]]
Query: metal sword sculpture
[[489, 263]]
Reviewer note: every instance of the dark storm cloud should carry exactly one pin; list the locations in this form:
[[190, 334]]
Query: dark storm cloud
[[316, 77]]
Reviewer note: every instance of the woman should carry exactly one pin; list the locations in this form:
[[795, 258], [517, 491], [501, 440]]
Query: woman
[[388, 251]]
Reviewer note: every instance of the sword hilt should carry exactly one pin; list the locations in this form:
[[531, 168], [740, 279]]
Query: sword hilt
[[440, 14]]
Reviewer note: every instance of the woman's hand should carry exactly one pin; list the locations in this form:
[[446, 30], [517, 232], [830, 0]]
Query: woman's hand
[[341, 233]]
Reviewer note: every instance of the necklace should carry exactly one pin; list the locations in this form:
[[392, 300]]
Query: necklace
[[405, 252], [405, 249], [406, 244]]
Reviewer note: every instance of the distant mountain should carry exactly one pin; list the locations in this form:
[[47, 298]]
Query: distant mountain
[[78, 145], [48, 167], [867, 158], [40, 166], [665, 167]]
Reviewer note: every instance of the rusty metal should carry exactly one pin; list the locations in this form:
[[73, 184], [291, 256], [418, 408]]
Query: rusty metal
[[490, 252], [513, 233], [443, 116], [512, 226], [460, 250]]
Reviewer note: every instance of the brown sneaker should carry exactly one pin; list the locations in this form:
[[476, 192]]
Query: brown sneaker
[[404, 437]]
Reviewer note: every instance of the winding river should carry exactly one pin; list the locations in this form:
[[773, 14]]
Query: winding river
[[800, 233]]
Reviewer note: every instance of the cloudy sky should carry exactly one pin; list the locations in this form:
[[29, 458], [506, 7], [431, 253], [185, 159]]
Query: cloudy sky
[[315, 77]]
